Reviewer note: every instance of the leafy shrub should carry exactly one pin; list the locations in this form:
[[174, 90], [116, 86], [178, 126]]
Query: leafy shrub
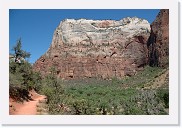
[[107, 97], [163, 95]]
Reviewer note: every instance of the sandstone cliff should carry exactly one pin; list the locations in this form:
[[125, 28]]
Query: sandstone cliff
[[158, 42], [97, 48]]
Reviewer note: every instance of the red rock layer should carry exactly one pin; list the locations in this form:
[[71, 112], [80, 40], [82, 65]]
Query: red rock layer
[[158, 43]]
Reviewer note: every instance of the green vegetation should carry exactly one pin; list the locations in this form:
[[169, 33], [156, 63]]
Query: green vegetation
[[18, 52], [128, 96], [22, 78], [107, 97]]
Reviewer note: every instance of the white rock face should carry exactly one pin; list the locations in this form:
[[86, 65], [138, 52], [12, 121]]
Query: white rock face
[[98, 33]]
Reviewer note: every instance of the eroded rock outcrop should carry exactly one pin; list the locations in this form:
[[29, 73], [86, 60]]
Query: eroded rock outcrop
[[97, 48], [158, 42]]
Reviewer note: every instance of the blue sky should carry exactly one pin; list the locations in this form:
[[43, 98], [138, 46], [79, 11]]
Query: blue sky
[[36, 27]]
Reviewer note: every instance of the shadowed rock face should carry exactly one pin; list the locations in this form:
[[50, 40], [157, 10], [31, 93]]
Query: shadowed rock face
[[97, 48], [158, 42]]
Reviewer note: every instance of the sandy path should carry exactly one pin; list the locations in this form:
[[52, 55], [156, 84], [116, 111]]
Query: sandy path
[[29, 108]]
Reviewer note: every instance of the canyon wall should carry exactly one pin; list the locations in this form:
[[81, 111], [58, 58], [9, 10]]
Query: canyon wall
[[158, 42], [97, 48]]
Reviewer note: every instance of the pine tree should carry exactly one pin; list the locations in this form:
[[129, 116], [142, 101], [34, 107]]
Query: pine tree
[[18, 52]]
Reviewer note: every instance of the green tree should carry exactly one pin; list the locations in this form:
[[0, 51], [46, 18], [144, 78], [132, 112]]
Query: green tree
[[22, 78], [18, 52]]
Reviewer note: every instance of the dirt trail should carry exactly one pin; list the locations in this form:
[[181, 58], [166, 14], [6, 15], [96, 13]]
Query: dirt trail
[[28, 108], [161, 80]]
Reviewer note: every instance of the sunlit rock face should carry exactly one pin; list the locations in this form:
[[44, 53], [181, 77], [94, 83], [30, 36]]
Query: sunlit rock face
[[97, 48]]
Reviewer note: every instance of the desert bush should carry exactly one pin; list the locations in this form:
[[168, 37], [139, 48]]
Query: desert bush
[[36, 81], [108, 97], [163, 95], [52, 88], [145, 102]]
